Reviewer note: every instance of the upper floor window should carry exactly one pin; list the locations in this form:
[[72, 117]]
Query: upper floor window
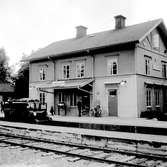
[[155, 41], [112, 66], [80, 69], [66, 71], [147, 66], [42, 73], [148, 97], [163, 69]]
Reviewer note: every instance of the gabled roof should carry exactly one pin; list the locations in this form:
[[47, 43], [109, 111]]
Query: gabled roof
[[134, 33], [6, 88]]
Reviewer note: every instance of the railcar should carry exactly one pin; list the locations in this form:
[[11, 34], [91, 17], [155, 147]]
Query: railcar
[[25, 110]]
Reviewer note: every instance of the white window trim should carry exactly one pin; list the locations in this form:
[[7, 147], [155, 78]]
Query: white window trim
[[157, 92], [150, 105], [73, 102], [110, 65], [80, 65], [162, 64], [42, 73], [42, 97], [61, 97], [147, 72], [156, 41], [63, 65]]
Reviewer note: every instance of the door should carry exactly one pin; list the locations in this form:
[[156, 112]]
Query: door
[[112, 102]]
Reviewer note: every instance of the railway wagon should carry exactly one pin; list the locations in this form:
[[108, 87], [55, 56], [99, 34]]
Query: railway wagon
[[25, 111]]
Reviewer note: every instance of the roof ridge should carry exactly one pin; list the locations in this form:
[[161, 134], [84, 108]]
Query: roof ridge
[[99, 39], [102, 32]]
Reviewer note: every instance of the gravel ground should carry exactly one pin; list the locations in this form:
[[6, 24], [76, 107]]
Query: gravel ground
[[14, 156]]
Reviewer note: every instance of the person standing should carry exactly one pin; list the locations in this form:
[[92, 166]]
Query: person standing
[[79, 105]]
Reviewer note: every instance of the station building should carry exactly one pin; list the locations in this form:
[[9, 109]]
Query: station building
[[122, 69]]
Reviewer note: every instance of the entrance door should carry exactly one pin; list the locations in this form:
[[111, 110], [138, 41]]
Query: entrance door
[[112, 102]]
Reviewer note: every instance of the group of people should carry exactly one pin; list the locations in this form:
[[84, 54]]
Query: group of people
[[96, 111]]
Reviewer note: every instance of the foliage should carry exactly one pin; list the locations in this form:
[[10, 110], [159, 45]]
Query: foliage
[[5, 73], [22, 82]]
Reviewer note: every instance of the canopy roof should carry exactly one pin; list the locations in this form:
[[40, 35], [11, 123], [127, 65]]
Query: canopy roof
[[69, 84]]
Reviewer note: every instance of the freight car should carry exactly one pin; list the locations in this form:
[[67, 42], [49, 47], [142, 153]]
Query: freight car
[[25, 110]]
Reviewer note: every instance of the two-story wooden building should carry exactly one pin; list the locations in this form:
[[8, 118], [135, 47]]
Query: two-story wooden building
[[123, 70]]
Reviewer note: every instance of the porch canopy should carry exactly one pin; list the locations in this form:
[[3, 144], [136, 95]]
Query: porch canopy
[[155, 84], [68, 84]]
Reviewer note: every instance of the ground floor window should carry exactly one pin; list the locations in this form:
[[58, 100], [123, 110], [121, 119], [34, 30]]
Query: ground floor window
[[148, 97], [73, 101], [42, 98], [157, 96], [61, 97]]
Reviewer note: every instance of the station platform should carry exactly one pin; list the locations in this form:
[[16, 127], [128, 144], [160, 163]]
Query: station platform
[[130, 125]]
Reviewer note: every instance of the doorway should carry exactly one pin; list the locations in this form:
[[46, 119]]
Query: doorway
[[112, 102]]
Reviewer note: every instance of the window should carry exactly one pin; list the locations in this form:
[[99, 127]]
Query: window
[[42, 73], [148, 97], [80, 70], [155, 41], [42, 98], [147, 66], [73, 101], [163, 69], [61, 97], [157, 95], [112, 67], [66, 71]]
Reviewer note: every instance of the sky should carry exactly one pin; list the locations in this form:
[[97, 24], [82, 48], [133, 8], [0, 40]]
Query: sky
[[27, 25]]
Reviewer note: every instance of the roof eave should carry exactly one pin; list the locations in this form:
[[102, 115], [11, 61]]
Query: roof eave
[[86, 51]]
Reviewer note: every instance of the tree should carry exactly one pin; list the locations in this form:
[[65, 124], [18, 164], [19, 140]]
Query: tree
[[22, 81], [5, 74]]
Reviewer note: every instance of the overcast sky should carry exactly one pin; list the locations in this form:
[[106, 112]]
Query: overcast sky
[[27, 25]]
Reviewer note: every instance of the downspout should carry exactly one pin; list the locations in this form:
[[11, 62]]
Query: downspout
[[93, 76], [54, 78]]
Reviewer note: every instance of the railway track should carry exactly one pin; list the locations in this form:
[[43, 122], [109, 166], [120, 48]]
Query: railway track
[[78, 151]]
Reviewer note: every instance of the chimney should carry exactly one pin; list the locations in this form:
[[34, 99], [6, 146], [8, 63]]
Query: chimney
[[119, 22], [81, 31]]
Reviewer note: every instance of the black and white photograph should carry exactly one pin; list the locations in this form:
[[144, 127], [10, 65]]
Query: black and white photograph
[[83, 83]]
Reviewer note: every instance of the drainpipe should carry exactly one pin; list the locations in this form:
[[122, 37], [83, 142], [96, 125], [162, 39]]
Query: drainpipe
[[93, 76], [54, 78]]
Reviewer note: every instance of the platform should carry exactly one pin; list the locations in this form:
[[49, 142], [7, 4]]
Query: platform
[[130, 125]]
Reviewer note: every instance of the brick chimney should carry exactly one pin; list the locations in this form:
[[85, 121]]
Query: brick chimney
[[119, 22], [81, 31]]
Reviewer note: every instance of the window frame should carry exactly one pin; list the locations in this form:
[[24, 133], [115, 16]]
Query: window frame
[[42, 97], [147, 65], [111, 67], [157, 97], [65, 70], [42, 73], [73, 100], [164, 72], [61, 97], [148, 97], [79, 72], [156, 41]]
